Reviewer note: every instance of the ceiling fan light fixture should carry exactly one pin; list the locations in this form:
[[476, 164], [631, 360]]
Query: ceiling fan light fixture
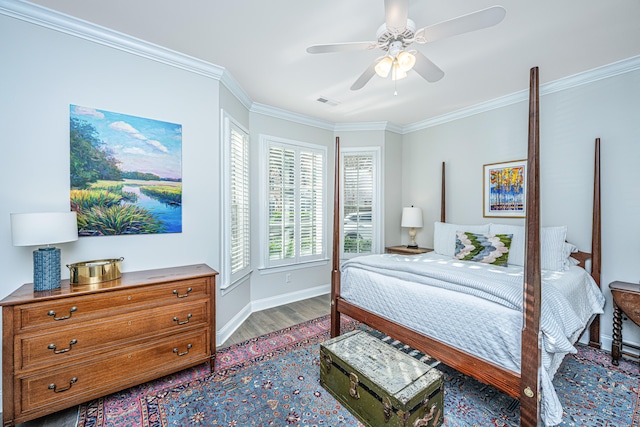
[[384, 66], [406, 61], [397, 73]]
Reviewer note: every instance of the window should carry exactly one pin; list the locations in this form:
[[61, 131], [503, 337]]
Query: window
[[235, 206], [360, 191], [294, 185]]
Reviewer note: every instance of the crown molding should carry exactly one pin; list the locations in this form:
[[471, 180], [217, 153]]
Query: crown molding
[[591, 76], [279, 113], [237, 90], [362, 126], [57, 21]]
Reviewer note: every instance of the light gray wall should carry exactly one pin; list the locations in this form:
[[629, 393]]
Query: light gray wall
[[570, 120], [50, 70], [392, 198]]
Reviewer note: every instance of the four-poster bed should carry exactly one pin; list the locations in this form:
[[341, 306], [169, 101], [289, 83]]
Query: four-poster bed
[[519, 378]]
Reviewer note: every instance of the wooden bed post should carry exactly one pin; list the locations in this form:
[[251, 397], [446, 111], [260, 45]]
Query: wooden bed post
[[335, 272], [596, 251], [531, 354], [443, 215]]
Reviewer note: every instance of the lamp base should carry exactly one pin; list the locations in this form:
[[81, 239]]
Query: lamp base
[[412, 246], [46, 269]]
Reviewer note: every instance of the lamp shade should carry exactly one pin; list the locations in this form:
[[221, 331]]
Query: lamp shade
[[406, 61], [411, 217], [384, 66], [43, 228]]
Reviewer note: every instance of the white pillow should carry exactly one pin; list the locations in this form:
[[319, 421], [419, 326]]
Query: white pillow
[[568, 261], [553, 252], [444, 236], [552, 255]]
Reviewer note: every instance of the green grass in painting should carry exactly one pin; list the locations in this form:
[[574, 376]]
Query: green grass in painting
[[164, 193], [101, 210], [126, 219], [86, 199]]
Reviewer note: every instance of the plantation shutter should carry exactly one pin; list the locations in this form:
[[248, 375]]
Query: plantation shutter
[[281, 203], [295, 202], [358, 196], [240, 223], [310, 203]]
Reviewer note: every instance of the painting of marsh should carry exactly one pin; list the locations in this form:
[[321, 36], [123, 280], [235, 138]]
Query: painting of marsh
[[126, 173]]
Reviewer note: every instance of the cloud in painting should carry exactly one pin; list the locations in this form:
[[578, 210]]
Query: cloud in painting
[[86, 111], [127, 128], [157, 145], [133, 132]]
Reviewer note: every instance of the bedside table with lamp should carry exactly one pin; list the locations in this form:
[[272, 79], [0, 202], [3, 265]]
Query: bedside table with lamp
[[412, 219]]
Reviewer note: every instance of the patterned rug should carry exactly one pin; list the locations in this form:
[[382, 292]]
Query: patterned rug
[[272, 380]]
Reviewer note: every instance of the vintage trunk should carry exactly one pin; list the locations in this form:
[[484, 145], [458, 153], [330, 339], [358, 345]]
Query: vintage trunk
[[379, 384]]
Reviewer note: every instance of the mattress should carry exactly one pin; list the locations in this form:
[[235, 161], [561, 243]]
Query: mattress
[[476, 307]]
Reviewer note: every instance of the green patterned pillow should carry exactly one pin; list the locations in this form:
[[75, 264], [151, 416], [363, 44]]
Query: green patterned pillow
[[485, 248]]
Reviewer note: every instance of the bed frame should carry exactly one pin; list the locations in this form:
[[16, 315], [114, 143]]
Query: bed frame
[[524, 385]]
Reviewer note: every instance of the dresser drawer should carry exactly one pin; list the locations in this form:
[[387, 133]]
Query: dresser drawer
[[113, 371], [56, 313], [64, 345]]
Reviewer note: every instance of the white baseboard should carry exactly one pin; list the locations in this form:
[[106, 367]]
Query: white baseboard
[[232, 325], [275, 301]]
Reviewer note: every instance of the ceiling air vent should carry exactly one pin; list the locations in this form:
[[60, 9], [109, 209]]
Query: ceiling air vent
[[327, 101]]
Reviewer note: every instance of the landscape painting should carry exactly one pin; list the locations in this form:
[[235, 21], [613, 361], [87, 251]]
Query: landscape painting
[[505, 189], [126, 173]]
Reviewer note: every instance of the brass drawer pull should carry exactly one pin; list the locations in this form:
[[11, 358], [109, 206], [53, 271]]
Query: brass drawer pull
[[184, 322], [175, 350], [64, 350], [53, 313], [175, 291], [72, 382]]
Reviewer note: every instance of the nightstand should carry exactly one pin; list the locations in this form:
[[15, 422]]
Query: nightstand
[[626, 299], [403, 250]]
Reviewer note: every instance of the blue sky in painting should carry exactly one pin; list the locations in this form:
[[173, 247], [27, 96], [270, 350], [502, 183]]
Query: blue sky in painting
[[140, 144]]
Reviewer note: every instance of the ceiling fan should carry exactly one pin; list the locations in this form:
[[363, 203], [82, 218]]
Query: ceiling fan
[[398, 32]]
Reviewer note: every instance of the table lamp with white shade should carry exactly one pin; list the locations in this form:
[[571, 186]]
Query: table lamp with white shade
[[412, 218], [44, 228]]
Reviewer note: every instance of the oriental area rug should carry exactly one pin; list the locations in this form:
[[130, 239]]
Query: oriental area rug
[[273, 380]]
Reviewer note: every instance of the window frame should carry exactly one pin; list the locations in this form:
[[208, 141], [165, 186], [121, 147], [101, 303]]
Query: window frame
[[267, 265], [376, 206], [229, 280]]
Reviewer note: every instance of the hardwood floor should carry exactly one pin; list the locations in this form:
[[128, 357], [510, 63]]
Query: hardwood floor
[[272, 319], [259, 323]]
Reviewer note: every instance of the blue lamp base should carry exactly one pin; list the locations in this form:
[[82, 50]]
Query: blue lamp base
[[46, 269]]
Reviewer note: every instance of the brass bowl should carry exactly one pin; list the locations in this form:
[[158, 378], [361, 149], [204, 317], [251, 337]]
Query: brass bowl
[[97, 271]]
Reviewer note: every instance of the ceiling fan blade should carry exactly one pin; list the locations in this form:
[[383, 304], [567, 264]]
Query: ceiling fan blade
[[462, 24], [427, 69], [341, 47], [396, 13], [366, 76]]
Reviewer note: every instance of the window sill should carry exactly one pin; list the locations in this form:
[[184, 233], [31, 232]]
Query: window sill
[[231, 286], [296, 266]]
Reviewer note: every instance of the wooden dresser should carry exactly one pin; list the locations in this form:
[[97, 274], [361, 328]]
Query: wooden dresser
[[70, 345]]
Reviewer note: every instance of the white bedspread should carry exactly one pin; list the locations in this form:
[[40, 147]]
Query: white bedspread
[[476, 307]]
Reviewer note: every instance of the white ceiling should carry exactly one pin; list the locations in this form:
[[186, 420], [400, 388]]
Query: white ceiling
[[262, 44]]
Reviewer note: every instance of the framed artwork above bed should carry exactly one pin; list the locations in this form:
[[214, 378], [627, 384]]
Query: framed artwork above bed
[[504, 189]]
